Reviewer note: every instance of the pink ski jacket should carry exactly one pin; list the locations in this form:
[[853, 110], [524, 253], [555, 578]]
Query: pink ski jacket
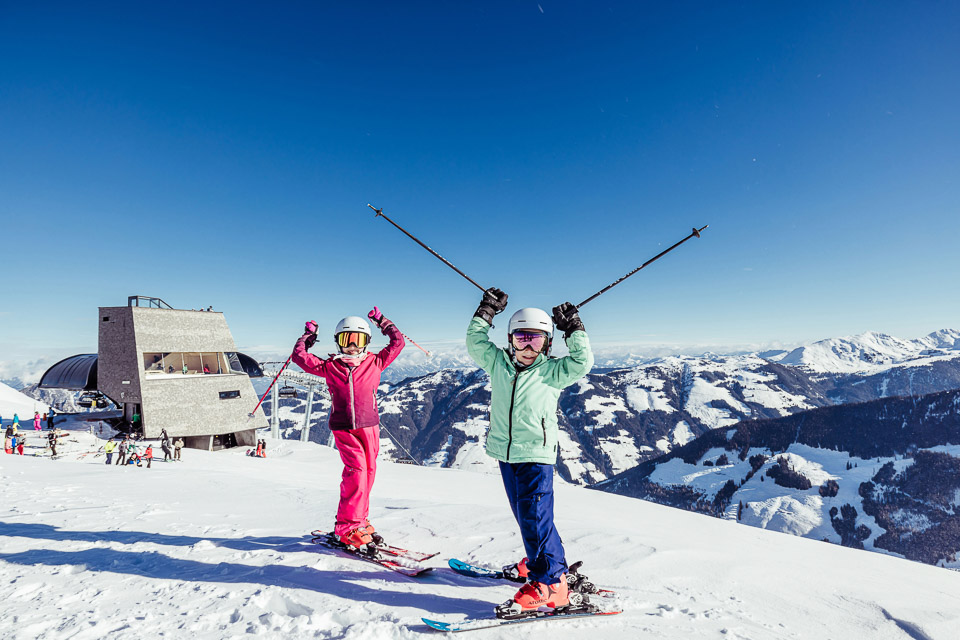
[[352, 383]]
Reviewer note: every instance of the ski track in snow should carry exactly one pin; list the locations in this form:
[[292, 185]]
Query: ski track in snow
[[215, 547]]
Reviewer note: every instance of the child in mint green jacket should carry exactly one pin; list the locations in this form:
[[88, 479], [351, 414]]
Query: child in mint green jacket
[[525, 389]]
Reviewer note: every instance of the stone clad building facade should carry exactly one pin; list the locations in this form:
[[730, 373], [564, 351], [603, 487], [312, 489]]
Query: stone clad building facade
[[169, 369], [180, 371]]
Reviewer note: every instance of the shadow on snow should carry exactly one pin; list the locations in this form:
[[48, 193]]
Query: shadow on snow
[[152, 564]]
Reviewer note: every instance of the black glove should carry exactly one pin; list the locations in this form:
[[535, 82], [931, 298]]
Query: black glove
[[494, 301], [567, 319]]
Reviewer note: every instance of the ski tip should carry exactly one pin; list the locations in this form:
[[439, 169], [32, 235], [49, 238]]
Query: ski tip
[[434, 624]]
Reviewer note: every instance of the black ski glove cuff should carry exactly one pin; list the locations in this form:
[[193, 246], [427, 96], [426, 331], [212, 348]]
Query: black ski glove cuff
[[309, 339], [494, 301], [567, 319]]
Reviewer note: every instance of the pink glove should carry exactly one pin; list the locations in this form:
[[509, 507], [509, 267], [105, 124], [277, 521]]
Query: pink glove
[[310, 330], [376, 316]]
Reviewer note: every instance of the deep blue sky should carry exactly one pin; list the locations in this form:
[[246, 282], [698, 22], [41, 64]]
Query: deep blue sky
[[224, 155]]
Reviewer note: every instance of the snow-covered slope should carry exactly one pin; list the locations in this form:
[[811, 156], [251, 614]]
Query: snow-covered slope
[[14, 402], [91, 551], [883, 475]]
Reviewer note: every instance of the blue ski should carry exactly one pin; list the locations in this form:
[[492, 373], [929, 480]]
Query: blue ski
[[477, 571]]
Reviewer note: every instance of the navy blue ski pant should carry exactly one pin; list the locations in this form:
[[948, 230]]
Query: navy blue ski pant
[[530, 489]]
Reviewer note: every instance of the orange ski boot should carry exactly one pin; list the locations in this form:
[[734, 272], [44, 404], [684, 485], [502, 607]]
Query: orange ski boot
[[372, 532], [534, 595], [356, 538]]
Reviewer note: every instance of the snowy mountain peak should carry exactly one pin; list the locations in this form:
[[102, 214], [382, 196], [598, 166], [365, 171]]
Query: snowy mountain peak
[[867, 352]]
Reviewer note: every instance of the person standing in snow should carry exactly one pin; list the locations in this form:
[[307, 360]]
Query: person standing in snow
[[165, 445], [122, 456], [177, 445], [148, 454], [20, 445], [7, 442], [525, 389], [16, 420], [353, 376], [52, 442], [108, 449], [36, 421], [50, 419]]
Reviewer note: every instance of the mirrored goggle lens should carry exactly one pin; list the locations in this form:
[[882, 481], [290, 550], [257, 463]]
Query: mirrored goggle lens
[[533, 339], [347, 338]]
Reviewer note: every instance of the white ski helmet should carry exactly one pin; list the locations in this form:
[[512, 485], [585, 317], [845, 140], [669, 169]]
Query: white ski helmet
[[531, 318], [352, 324]]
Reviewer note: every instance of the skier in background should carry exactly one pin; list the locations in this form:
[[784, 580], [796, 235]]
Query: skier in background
[[52, 442], [177, 445], [14, 437], [108, 449], [165, 445], [353, 376], [148, 454], [122, 457], [525, 388], [36, 421]]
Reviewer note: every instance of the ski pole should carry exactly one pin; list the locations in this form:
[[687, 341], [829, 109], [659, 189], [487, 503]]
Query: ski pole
[[380, 213], [696, 232], [414, 343], [271, 385]]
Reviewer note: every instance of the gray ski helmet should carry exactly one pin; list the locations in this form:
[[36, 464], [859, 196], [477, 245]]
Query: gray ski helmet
[[352, 324], [531, 318]]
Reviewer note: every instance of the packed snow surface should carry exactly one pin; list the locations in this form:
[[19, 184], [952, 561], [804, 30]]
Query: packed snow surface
[[214, 547]]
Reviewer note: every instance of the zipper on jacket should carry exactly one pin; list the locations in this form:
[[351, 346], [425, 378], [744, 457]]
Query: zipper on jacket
[[543, 423], [353, 408], [513, 397]]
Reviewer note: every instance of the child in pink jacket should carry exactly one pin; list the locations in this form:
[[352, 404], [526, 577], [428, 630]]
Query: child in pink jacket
[[353, 376]]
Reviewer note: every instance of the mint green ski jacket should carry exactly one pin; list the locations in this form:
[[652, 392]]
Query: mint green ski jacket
[[523, 405]]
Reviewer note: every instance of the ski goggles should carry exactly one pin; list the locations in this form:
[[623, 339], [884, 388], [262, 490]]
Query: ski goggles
[[346, 338], [536, 340]]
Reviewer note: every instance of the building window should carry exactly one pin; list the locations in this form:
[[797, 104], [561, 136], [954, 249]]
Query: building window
[[226, 395], [157, 364]]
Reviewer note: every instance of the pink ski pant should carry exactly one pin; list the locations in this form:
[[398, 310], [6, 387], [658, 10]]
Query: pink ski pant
[[358, 450]]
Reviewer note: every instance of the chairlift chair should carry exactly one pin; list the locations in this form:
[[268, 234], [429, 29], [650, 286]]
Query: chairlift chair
[[287, 391], [91, 400]]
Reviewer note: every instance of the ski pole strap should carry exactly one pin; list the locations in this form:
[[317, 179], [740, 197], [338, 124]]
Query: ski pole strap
[[695, 232], [381, 214]]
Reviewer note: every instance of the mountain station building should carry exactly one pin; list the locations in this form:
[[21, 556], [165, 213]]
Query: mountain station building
[[169, 369]]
